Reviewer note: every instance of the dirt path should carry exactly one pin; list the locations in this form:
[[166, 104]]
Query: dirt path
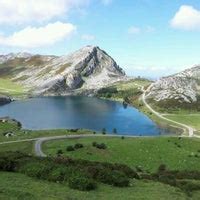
[[189, 129]]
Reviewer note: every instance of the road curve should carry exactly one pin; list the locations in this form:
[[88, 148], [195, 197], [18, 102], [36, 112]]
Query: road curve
[[190, 129], [40, 141]]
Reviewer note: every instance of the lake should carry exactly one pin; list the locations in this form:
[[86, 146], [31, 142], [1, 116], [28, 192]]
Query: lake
[[80, 112]]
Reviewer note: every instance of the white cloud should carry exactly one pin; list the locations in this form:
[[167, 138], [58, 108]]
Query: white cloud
[[22, 11], [134, 30], [150, 29], [32, 37], [106, 2], [187, 18], [137, 30], [88, 37]]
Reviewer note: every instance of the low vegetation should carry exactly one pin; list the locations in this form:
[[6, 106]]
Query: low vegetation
[[85, 175], [123, 91], [145, 153], [20, 134], [79, 174], [174, 105], [192, 119], [125, 168]]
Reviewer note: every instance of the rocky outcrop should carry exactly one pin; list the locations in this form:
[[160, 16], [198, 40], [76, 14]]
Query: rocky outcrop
[[89, 68], [4, 100], [183, 87]]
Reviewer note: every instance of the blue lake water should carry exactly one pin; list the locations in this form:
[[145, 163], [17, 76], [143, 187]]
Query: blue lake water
[[80, 112]]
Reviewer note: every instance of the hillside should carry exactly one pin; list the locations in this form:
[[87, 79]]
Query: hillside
[[87, 69], [181, 89]]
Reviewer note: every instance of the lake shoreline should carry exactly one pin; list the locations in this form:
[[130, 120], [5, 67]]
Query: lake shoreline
[[93, 103]]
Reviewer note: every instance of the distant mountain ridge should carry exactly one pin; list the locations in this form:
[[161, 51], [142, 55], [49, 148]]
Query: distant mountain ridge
[[183, 87], [89, 68]]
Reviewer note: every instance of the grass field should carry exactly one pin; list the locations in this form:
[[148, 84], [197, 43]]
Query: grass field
[[147, 153], [8, 87], [189, 119], [21, 134], [15, 186], [25, 147], [122, 91]]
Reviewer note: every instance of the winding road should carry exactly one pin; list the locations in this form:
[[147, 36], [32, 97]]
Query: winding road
[[40, 141], [190, 129]]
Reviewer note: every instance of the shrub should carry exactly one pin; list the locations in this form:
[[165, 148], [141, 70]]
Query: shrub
[[7, 165], [187, 174], [58, 174], [59, 152], [162, 168], [78, 146], [101, 146], [81, 183], [188, 187], [36, 169], [115, 131], [94, 144], [104, 131], [70, 148], [126, 170], [122, 137], [139, 169], [170, 180], [74, 130], [115, 178]]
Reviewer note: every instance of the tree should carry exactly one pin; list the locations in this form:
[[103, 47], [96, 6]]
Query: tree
[[114, 130], [104, 131]]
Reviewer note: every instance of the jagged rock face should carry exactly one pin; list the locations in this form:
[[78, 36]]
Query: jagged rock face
[[88, 68], [184, 86]]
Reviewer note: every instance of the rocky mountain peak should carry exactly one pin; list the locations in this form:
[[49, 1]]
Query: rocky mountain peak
[[89, 68], [183, 86]]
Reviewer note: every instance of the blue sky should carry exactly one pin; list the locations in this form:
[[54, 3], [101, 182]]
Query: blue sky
[[149, 38]]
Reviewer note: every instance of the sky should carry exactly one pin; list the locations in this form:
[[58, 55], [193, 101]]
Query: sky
[[147, 38]]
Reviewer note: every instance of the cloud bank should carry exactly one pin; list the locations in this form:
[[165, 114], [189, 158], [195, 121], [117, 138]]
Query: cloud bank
[[24, 11], [32, 37], [187, 18]]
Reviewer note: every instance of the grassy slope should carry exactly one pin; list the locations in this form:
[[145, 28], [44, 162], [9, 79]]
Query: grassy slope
[[145, 152], [124, 89], [179, 116], [148, 153], [26, 147], [27, 134], [19, 187], [10, 88], [189, 119], [132, 90]]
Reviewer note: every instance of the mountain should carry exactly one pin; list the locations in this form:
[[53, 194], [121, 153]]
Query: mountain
[[87, 69], [182, 87]]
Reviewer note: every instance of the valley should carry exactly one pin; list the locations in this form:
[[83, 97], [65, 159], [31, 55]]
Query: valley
[[165, 159]]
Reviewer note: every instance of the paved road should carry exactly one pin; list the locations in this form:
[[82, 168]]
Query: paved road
[[18, 141], [40, 141], [188, 128]]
